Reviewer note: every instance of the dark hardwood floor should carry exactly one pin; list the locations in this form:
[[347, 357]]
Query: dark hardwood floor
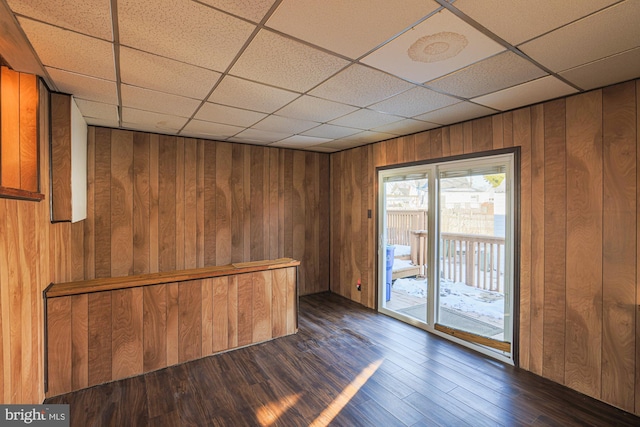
[[347, 366]]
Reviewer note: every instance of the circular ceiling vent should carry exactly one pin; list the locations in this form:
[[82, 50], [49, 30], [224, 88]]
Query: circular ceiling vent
[[437, 47]]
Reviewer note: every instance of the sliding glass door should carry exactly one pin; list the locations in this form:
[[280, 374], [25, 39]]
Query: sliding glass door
[[450, 224]]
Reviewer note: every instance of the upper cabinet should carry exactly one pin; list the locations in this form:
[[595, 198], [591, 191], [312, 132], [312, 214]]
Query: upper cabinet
[[68, 160]]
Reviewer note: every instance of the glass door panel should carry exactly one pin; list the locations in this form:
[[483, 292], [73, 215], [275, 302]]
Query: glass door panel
[[473, 207], [405, 245]]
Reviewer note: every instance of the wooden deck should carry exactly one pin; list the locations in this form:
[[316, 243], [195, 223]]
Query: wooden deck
[[347, 366]]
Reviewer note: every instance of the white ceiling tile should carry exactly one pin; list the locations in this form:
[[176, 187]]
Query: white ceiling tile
[[97, 110], [201, 129], [260, 136], [253, 10], [407, 126], [251, 96], [315, 109], [299, 141], [84, 87], [91, 17], [151, 122], [350, 28], [359, 139], [149, 100], [611, 31], [361, 86], [614, 69], [413, 102], [282, 62], [183, 30], [321, 149], [284, 125], [517, 21], [331, 131], [154, 72], [489, 75], [228, 115], [526, 94], [437, 46], [456, 113], [70, 51], [365, 119]]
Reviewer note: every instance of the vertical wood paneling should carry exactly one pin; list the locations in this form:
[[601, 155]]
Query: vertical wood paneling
[[288, 204], [583, 342], [456, 139], [141, 205], [257, 207], [79, 341], [261, 306], [292, 300], [245, 307], [555, 228], [126, 333], [207, 317], [336, 220], [482, 134], [436, 143], [637, 301], [209, 204], [190, 204], [522, 137], [121, 203], [537, 238], [154, 328], [189, 320], [200, 206], [323, 244], [274, 204], [246, 183], [60, 344], [220, 328], [619, 252], [167, 152], [89, 255], [223, 203], [180, 204], [468, 137], [299, 211], [279, 302], [103, 203], [232, 312], [423, 147], [99, 337], [236, 189], [154, 211], [10, 154], [497, 131], [28, 134], [173, 314]]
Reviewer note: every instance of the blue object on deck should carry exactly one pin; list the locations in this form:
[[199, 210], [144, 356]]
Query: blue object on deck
[[389, 275]]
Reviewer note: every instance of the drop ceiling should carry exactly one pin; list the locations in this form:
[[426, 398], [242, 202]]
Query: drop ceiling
[[317, 75]]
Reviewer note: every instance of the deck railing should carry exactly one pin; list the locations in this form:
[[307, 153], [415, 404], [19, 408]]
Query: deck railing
[[473, 259], [401, 222]]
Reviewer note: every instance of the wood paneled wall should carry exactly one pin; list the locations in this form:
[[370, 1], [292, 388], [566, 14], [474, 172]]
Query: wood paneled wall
[[33, 253], [579, 236], [103, 336], [161, 203]]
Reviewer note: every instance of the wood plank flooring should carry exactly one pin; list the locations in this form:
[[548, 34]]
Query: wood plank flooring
[[347, 366]]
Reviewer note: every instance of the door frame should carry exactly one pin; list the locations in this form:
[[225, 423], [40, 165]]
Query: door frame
[[513, 357]]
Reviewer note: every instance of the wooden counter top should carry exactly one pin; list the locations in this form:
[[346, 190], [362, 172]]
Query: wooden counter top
[[115, 283]]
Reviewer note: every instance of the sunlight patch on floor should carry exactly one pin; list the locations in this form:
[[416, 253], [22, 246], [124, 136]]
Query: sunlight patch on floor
[[271, 412]]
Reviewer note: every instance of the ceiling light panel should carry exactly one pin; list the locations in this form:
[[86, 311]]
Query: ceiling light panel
[[331, 131], [282, 62], [603, 34], [150, 100], [284, 124], [151, 122], [91, 17], [456, 113], [522, 20], [489, 75], [617, 68], [154, 72], [183, 30], [526, 94], [70, 51], [250, 95], [254, 10], [201, 129], [316, 109], [439, 45], [84, 87], [350, 28], [228, 115], [361, 86], [415, 101], [365, 119]]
